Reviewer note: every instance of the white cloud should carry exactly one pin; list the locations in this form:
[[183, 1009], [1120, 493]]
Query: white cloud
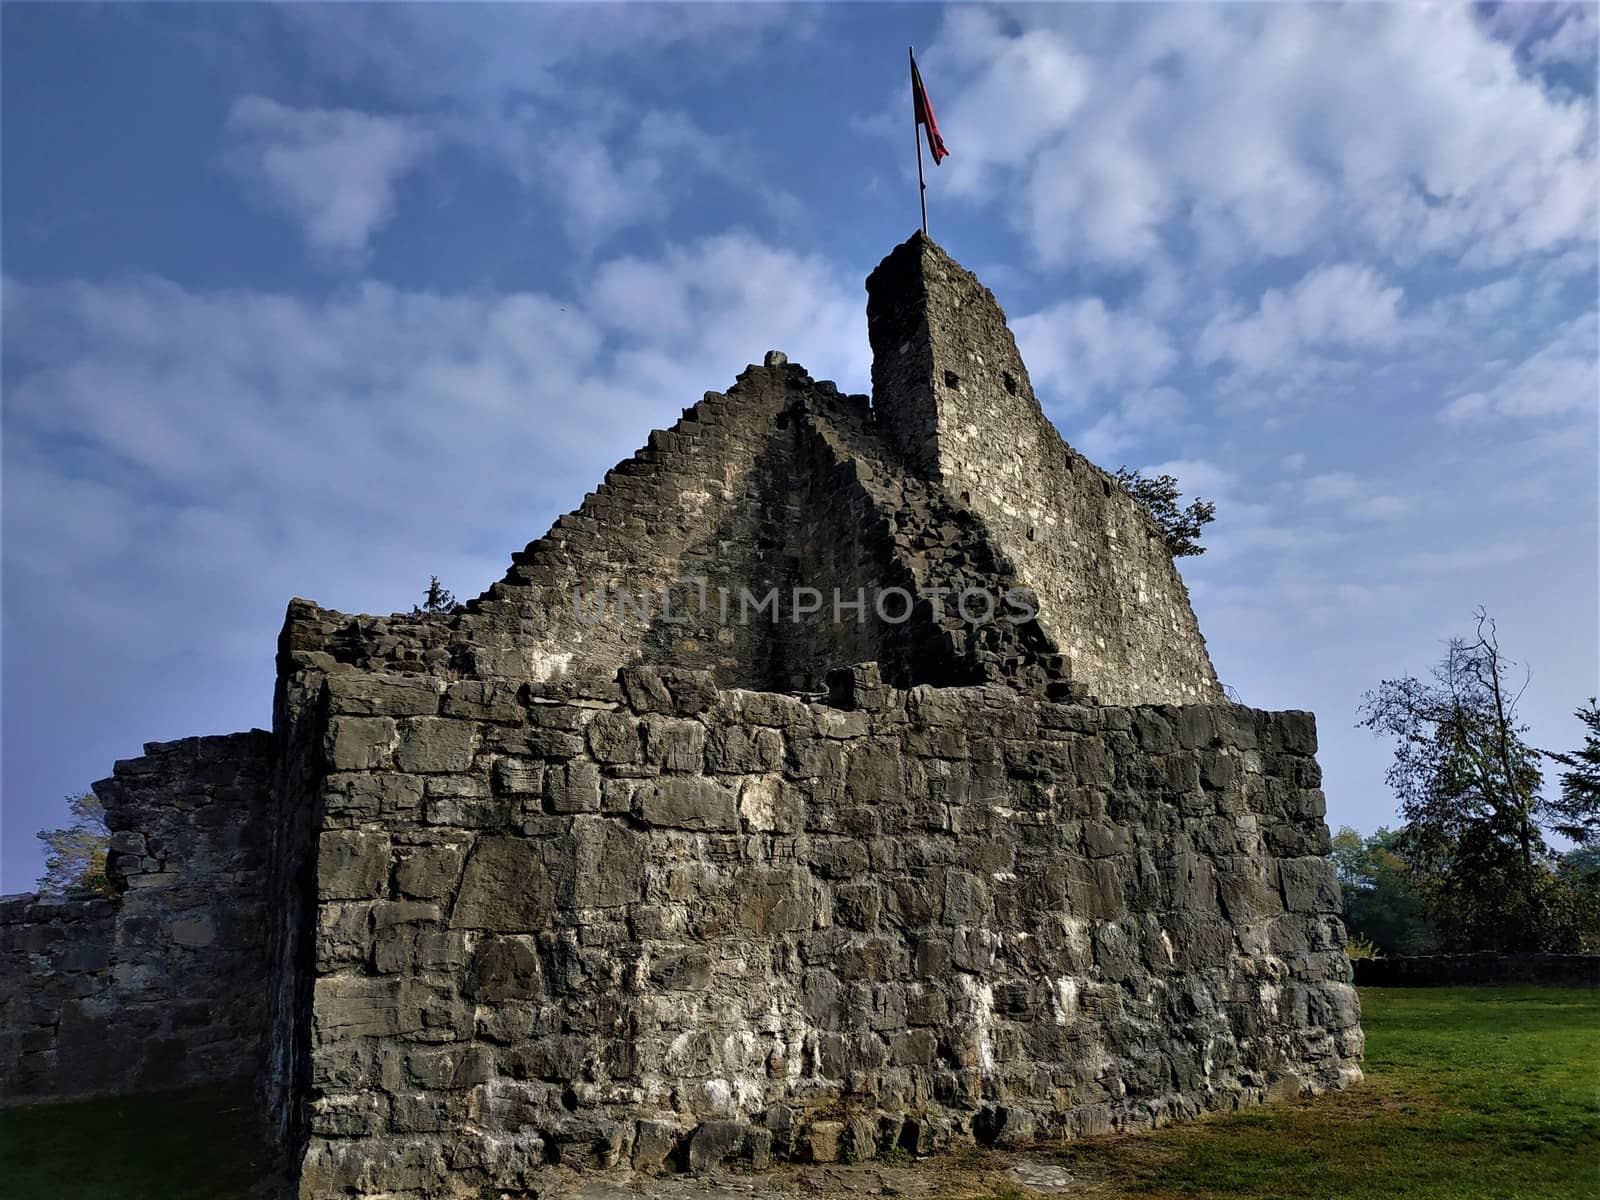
[[1159, 411], [1336, 485], [332, 170], [1380, 508], [1559, 378], [483, 54], [1341, 305], [615, 167], [1261, 131], [1494, 554], [1355, 497], [245, 446], [1079, 347], [1549, 34], [1196, 476]]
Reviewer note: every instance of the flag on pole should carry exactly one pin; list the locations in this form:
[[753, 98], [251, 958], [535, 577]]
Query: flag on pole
[[925, 118]]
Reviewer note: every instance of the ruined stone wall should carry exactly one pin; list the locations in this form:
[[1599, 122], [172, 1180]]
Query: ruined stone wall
[[55, 970], [782, 484], [951, 391], [661, 924], [163, 985], [712, 497]]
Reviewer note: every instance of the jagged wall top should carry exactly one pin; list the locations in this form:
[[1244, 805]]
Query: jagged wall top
[[950, 478], [951, 392]]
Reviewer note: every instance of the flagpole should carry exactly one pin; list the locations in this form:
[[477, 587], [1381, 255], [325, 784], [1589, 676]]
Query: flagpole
[[916, 133]]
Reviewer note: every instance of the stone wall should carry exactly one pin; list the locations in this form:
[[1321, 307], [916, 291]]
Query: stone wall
[[951, 391], [164, 985], [1429, 970], [781, 483], [655, 923], [55, 970]]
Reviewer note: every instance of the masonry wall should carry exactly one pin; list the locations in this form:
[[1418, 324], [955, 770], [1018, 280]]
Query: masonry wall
[[163, 985], [665, 925], [951, 391], [781, 484]]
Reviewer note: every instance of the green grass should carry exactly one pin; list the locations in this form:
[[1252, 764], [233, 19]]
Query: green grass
[[1470, 1092], [191, 1145]]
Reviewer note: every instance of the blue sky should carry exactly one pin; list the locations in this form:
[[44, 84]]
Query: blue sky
[[317, 300]]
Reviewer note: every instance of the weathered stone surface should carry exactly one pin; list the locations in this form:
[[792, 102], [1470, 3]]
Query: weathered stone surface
[[431, 745], [574, 787], [505, 968], [428, 872], [352, 864], [692, 803], [713, 1142], [505, 887]]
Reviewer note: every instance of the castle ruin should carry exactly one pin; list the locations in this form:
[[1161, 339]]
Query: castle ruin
[[664, 886]]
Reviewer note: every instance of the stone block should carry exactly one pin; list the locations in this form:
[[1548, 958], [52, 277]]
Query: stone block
[[351, 1006], [735, 750], [823, 1141], [428, 872], [574, 787], [434, 745], [480, 701], [505, 887], [1309, 885], [505, 968], [672, 745], [371, 694], [859, 1142], [1294, 732], [352, 864], [857, 687], [654, 1143], [602, 864], [518, 777], [759, 1142], [688, 803], [359, 743], [774, 901], [615, 738], [194, 932], [359, 1114], [715, 1141]]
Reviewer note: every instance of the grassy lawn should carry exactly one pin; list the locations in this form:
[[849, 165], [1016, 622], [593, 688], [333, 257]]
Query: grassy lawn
[[1489, 1093], [191, 1145], [1470, 1092]]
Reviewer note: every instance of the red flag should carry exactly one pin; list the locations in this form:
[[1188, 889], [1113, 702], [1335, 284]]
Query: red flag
[[925, 117]]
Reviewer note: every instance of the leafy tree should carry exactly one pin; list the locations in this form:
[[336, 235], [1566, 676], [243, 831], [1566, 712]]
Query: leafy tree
[[1469, 789], [437, 599], [1181, 526], [1576, 814], [76, 856], [1381, 902]]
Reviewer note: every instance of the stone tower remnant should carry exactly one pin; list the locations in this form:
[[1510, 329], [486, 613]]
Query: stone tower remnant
[[510, 887]]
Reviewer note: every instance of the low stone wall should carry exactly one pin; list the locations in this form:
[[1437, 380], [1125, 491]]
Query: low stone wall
[[55, 971], [666, 925], [1423, 970], [164, 985]]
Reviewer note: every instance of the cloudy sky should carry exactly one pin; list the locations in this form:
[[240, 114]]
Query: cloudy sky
[[320, 300]]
